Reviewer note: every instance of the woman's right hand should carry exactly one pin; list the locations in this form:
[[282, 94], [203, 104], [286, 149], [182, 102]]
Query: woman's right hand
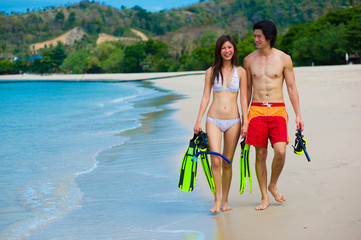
[[197, 128]]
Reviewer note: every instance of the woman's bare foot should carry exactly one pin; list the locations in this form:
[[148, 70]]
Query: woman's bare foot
[[226, 207], [264, 205], [216, 207], [278, 196]]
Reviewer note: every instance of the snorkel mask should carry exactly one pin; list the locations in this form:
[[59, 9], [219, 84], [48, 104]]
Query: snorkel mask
[[300, 145]]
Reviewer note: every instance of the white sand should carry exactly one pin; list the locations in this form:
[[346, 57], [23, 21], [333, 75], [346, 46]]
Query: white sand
[[323, 196]]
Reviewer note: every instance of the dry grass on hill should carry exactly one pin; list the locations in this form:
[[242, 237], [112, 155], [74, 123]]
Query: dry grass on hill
[[67, 38], [75, 34]]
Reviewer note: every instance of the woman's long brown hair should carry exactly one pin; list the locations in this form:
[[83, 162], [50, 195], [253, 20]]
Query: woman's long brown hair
[[218, 60]]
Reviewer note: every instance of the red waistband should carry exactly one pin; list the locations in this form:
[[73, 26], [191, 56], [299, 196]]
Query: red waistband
[[266, 104]]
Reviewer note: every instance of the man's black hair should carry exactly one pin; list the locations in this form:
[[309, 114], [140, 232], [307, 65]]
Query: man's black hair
[[269, 30]]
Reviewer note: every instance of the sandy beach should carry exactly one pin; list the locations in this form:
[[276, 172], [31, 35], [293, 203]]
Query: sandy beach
[[322, 195]]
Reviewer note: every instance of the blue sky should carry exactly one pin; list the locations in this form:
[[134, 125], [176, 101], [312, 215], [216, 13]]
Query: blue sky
[[149, 5]]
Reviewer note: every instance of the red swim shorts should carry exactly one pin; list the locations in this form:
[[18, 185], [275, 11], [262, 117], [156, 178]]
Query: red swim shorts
[[267, 120]]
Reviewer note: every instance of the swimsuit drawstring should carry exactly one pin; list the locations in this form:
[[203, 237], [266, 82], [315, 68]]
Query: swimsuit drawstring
[[266, 104]]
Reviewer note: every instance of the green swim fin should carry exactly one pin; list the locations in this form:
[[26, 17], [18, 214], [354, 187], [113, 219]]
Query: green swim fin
[[207, 171], [244, 166], [188, 171], [202, 143]]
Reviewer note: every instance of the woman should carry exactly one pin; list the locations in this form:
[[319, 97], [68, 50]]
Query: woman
[[226, 79]]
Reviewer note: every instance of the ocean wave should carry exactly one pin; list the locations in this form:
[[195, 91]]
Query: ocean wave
[[116, 132], [122, 99], [95, 165], [119, 144], [47, 199], [120, 110]]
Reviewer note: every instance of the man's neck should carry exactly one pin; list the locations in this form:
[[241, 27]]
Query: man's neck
[[266, 51]]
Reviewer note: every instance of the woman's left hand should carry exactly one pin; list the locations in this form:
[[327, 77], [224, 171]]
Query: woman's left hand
[[244, 130]]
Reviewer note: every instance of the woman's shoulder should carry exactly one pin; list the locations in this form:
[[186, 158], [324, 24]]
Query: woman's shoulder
[[240, 70], [209, 71]]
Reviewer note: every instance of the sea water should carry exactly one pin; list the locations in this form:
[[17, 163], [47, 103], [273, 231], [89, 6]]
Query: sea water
[[93, 161]]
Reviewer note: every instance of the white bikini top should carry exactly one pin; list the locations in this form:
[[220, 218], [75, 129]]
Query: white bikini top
[[233, 87]]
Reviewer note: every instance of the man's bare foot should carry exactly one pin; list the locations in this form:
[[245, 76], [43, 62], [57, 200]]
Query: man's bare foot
[[216, 207], [226, 207], [264, 205], [278, 196]]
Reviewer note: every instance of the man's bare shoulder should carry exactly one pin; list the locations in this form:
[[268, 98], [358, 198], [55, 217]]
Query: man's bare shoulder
[[252, 55], [250, 58], [284, 56]]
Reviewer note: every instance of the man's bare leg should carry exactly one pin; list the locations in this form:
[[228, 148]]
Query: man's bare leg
[[261, 171], [277, 166]]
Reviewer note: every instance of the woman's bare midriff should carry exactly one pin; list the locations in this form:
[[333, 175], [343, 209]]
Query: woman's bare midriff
[[224, 105]]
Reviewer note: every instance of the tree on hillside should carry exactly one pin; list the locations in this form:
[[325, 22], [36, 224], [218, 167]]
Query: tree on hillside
[[57, 54], [6, 66], [353, 35], [325, 41], [352, 2], [70, 22], [45, 64], [2, 47], [59, 18], [157, 57], [51, 59], [208, 39], [77, 62], [133, 56], [98, 55], [245, 47], [115, 61]]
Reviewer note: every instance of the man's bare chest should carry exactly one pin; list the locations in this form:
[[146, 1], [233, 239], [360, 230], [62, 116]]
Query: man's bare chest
[[268, 70]]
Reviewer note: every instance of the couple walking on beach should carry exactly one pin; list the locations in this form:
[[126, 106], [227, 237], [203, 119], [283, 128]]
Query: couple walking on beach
[[260, 85]]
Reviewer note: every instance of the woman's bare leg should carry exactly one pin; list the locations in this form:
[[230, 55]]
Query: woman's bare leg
[[231, 137], [214, 143]]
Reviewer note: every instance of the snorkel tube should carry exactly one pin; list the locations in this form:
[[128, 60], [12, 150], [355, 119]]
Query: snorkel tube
[[195, 158]]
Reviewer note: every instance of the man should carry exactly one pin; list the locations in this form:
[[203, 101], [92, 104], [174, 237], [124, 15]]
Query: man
[[268, 68]]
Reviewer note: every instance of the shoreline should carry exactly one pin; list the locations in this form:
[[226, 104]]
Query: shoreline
[[102, 77]]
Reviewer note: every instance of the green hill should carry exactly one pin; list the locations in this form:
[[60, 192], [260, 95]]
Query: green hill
[[179, 28], [93, 38]]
